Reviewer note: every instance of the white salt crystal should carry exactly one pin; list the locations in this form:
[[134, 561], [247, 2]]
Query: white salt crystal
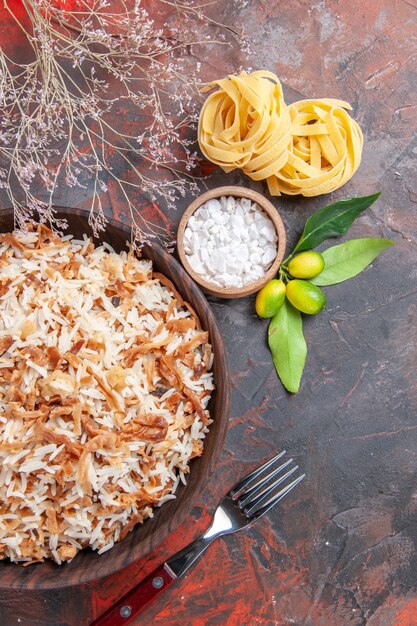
[[204, 255], [192, 222], [230, 204], [232, 265], [213, 206], [251, 277], [269, 255], [268, 231], [223, 218], [237, 222], [219, 280], [218, 262], [203, 214], [230, 280], [195, 242], [243, 253], [239, 210], [261, 219], [223, 249], [195, 263]]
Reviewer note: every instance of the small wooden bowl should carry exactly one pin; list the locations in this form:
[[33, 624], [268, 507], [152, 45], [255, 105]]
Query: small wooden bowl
[[265, 205]]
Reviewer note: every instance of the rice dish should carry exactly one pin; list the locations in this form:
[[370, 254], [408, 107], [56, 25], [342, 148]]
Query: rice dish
[[105, 378]]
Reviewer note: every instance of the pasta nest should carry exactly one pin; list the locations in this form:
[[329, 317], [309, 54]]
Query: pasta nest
[[311, 147], [246, 124], [325, 151]]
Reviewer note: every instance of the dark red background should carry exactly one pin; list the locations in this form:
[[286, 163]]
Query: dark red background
[[341, 549]]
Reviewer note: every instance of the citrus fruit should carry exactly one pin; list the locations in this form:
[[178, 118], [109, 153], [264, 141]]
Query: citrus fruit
[[270, 298], [306, 297], [306, 264]]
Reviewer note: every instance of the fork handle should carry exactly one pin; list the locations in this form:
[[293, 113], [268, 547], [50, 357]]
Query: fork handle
[[140, 596]]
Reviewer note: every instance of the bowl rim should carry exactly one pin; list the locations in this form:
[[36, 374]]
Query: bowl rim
[[59, 576], [266, 206]]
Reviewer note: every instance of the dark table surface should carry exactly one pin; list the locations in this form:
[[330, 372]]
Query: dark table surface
[[341, 549]]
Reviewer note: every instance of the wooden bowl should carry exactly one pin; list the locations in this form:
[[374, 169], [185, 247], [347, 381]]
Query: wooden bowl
[[267, 207], [88, 565]]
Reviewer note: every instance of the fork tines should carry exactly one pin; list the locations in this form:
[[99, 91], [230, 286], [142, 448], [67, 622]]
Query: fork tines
[[258, 491]]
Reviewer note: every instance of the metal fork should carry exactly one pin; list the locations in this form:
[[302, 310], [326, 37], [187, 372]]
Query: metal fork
[[247, 501]]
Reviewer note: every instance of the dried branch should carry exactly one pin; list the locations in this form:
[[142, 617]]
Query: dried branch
[[90, 64]]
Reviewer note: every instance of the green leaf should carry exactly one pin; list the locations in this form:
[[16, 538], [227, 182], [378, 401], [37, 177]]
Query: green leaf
[[332, 220], [287, 344], [349, 259]]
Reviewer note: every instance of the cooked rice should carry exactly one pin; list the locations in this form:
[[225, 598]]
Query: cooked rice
[[104, 383]]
